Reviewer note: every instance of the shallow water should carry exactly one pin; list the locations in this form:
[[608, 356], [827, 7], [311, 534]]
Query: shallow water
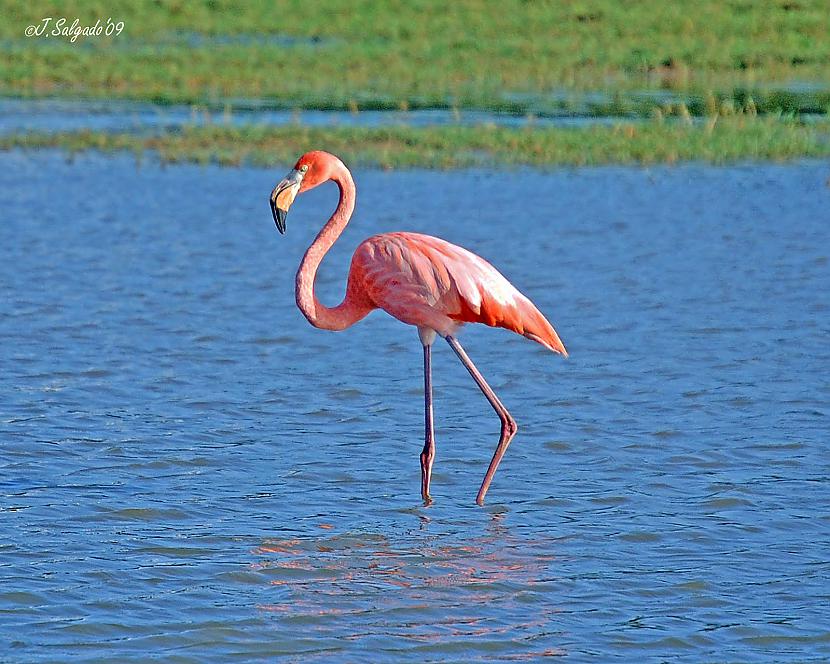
[[48, 115], [191, 472], [562, 108]]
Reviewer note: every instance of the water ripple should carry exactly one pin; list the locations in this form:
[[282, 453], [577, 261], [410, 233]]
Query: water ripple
[[190, 472]]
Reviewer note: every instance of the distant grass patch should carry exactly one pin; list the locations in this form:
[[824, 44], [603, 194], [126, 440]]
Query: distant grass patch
[[717, 140], [512, 55]]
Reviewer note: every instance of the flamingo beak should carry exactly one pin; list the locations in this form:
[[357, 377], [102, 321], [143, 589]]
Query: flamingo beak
[[283, 196]]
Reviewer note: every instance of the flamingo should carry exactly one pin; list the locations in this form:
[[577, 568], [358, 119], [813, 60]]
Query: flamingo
[[420, 280]]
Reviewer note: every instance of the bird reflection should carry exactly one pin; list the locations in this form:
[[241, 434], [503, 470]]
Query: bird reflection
[[426, 585]]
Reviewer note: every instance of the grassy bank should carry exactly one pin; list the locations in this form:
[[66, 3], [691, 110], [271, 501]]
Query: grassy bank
[[510, 55], [718, 140]]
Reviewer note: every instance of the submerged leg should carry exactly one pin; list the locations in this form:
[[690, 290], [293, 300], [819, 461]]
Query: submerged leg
[[428, 454], [508, 424]]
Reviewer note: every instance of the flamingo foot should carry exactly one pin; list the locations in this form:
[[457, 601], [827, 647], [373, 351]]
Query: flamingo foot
[[426, 474]]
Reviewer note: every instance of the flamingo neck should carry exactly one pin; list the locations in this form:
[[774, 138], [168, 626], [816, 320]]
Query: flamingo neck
[[350, 310]]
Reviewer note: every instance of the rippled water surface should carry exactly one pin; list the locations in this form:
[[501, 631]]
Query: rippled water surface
[[191, 473]]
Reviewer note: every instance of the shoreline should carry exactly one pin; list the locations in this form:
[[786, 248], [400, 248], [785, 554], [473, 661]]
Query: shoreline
[[717, 140]]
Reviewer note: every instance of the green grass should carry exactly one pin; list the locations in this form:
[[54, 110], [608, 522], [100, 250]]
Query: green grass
[[727, 61], [718, 140], [512, 55]]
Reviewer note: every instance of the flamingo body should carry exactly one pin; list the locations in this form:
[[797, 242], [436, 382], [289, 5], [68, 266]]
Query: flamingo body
[[433, 284], [420, 280]]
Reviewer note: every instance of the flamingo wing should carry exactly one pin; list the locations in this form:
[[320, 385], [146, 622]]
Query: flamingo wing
[[429, 282]]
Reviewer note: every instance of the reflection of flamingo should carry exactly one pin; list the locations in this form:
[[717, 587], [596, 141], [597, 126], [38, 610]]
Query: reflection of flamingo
[[400, 574], [418, 279]]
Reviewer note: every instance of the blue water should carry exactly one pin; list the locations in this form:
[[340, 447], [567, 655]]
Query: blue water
[[49, 115], [191, 473]]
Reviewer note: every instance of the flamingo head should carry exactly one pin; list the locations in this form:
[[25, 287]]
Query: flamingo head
[[312, 169]]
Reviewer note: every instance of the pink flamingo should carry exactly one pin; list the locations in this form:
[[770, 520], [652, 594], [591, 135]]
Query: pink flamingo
[[418, 279]]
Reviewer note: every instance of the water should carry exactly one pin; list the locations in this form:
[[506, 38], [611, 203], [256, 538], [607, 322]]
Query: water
[[190, 473], [561, 109], [49, 115]]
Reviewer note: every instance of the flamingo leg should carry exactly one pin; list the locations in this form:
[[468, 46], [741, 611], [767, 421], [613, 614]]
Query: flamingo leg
[[508, 424], [428, 453]]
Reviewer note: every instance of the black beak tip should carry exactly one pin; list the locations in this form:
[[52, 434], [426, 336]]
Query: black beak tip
[[279, 217]]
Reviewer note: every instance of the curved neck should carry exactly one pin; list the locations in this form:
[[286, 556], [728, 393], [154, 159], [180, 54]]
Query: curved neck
[[349, 311]]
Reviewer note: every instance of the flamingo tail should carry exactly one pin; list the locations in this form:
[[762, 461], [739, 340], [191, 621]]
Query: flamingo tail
[[537, 328]]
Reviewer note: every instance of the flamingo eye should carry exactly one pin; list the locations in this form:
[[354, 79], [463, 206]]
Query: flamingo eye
[[303, 168]]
